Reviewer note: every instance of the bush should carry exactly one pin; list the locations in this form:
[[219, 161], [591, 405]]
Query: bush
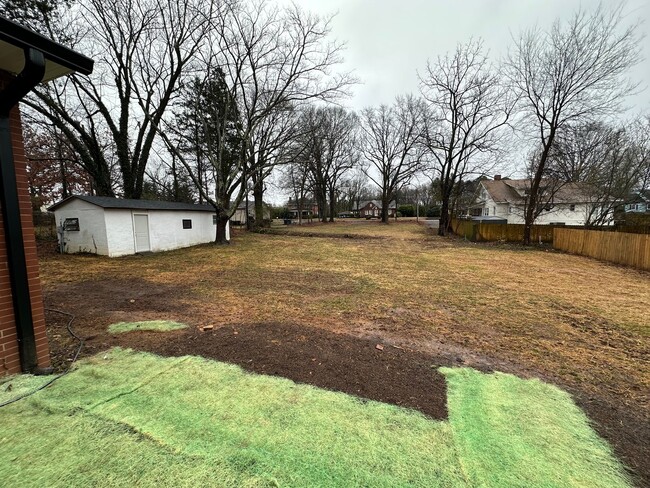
[[433, 212], [406, 210]]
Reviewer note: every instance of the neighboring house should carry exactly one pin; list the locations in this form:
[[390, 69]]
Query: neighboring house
[[639, 202], [372, 209], [506, 199], [308, 209], [240, 216], [117, 227], [26, 59]]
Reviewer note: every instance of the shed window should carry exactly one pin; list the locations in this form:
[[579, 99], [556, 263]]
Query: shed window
[[187, 223], [572, 207], [214, 220], [71, 224]]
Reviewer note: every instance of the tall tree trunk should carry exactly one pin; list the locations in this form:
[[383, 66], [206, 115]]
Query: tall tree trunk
[[533, 197], [299, 207], [385, 201], [443, 226], [321, 199], [332, 204], [64, 178], [258, 196], [222, 226]]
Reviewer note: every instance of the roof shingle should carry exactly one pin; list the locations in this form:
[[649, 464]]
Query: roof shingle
[[126, 203]]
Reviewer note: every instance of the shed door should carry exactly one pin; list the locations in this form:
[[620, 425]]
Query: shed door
[[141, 230]]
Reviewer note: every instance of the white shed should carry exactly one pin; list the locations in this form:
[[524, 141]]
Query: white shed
[[117, 227]]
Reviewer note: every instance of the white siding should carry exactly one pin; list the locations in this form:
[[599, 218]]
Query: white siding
[[119, 227], [239, 216], [165, 229], [560, 213], [91, 236], [110, 231]]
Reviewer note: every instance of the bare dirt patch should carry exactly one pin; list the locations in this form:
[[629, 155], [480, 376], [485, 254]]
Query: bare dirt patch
[[308, 355]]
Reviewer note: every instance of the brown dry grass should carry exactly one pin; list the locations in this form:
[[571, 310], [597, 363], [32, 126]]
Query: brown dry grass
[[574, 320]]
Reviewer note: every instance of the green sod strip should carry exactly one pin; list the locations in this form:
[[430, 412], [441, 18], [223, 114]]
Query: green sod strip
[[15, 386], [151, 325], [514, 432], [135, 417], [125, 418]]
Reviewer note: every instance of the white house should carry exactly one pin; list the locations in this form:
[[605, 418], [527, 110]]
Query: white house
[[639, 202], [241, 216], [117, 227], [505, 198]]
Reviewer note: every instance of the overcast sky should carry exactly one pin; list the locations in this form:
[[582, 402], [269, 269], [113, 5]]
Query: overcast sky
[[389, 40]]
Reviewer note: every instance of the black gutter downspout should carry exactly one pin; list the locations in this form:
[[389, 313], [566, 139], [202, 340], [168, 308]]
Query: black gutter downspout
[[31, 75]]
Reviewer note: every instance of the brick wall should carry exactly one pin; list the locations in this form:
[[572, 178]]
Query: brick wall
[[9, 357]]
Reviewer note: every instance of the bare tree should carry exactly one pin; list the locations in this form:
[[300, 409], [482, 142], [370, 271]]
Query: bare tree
[[550, 188], [143, 49], [270, 147], [641, 139], [355, 189], [326, 146], [608, 162], [573, 72], [389, 140], [296, 179], [275, 59], [268, 60], [467, 110]]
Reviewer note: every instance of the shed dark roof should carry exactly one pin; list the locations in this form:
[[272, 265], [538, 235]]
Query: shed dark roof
[[125, 203], [59, 60]]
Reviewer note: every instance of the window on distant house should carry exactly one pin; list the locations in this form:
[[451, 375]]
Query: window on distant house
[[187, 223], [572, 207], [494, 210]]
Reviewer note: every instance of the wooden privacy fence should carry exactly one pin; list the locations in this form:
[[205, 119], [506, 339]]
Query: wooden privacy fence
[[478, 231], [616, 247]]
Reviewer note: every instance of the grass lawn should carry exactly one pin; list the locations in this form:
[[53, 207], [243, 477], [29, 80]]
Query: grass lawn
[[573, 321], [150, 325], [577, 319], [125, 418]]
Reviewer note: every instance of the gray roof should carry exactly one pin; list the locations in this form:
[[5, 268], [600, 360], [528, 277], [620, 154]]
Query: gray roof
[[644, 194], [377, 203], [513, 191], [125, 203]]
